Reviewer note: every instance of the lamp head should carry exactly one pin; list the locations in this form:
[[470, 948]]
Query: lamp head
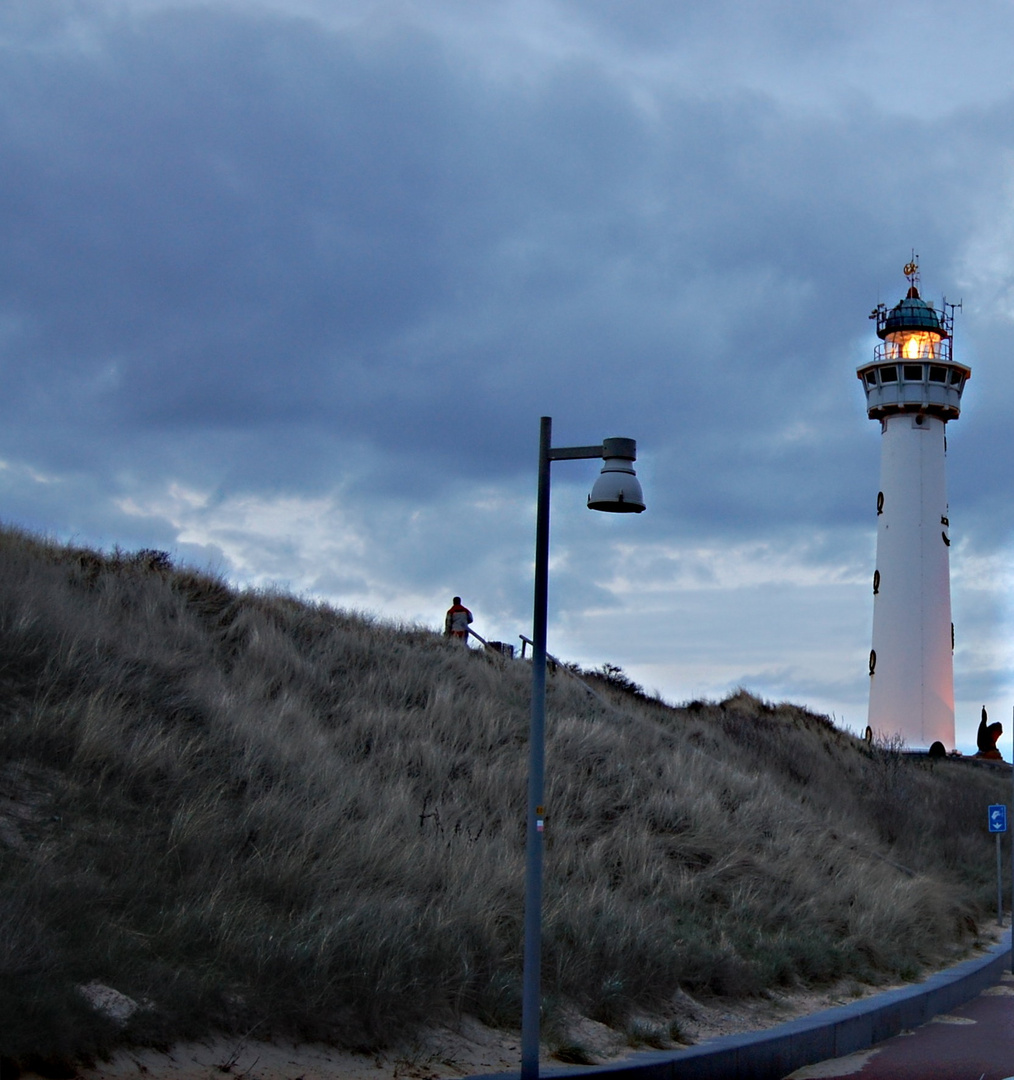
[[617, 489]]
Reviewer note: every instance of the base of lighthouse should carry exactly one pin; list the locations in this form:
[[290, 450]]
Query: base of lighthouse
[[912, 666]]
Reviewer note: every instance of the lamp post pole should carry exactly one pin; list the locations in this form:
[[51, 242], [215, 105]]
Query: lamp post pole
[[531, 986], [616, 491]]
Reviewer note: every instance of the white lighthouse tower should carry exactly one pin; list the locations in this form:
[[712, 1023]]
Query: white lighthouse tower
[[913, 387]]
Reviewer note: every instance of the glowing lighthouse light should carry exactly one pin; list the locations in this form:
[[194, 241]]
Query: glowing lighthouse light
[[913, 388]]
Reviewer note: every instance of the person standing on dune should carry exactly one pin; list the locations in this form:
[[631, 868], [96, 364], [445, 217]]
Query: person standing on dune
[[456, 620]]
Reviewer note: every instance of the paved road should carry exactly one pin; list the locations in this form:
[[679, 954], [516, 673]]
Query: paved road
[[974, 1042]]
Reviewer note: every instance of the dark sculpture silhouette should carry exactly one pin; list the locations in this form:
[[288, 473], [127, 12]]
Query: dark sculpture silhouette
[[986, 739]]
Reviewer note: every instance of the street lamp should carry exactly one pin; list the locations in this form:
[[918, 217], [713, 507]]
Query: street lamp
[[617, 490]]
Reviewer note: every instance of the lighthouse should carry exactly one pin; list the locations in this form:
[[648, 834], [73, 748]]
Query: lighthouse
[[913, 387]]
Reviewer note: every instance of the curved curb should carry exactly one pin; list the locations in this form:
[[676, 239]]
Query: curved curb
[[774, 1053]]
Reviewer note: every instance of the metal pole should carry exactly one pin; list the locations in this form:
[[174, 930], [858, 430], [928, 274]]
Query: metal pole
[[999, 885], [1011, 831], [531, 984]]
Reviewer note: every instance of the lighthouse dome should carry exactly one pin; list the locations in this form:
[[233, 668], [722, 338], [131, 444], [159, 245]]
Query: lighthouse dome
[[912, 313]]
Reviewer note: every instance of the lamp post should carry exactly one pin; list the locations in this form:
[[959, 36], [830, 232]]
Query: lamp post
[[617, 490]]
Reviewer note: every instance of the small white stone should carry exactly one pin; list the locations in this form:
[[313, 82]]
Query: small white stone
[[109, 1002]]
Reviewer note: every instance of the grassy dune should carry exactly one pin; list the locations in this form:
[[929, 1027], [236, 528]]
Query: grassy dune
[[251, 813]]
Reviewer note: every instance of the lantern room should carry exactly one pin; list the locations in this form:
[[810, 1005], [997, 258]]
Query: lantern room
[[913, 369]]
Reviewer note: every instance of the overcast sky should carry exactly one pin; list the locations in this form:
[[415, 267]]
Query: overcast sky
[[286, 286]]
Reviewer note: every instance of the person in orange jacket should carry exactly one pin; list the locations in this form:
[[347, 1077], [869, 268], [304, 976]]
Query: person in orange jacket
[[456, 620]]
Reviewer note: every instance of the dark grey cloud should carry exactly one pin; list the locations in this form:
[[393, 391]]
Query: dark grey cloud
[[229, 221]]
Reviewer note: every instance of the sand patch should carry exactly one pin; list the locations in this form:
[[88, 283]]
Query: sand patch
[[469, 1047], [843, 1066]]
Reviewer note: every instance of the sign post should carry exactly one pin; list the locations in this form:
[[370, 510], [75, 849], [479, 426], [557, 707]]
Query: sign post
[[998, 825]]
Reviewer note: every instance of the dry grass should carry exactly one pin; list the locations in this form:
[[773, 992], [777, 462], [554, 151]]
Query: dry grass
[[251, 813]]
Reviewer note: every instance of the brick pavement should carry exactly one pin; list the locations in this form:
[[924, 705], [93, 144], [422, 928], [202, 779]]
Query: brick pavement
[[974, 1041]]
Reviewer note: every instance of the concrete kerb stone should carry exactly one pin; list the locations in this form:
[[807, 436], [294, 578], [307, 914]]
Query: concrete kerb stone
[[774, 1053]]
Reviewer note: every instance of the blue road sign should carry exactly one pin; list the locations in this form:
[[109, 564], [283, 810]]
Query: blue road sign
[[998, 818]]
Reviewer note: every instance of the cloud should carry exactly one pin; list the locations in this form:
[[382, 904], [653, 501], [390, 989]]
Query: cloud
[[289, 284]]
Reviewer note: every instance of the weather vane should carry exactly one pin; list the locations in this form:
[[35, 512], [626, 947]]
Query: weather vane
[[912, 269]]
